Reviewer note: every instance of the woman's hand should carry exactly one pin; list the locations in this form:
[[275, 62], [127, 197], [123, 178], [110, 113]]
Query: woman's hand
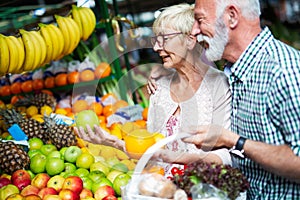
[[99, 136], [169, 156]]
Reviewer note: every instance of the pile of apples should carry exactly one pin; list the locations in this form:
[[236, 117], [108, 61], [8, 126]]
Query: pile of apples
[[70, 173]]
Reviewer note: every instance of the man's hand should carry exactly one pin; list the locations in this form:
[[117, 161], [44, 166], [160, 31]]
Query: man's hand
[[99, 136], [156, 72]]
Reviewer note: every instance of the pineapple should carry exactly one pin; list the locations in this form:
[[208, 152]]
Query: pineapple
[[38, 100], [31, 127], [60, 135], [12, 157]]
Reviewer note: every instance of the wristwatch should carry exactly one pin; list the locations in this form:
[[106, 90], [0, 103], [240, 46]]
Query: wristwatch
[[238, 148]]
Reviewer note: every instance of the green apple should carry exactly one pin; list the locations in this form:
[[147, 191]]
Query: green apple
[[54, 166], [120, 167], [87, 182], [81, 172], [54, 154], [47, 148], [70, 168], [71, 153], [7, 190], [85, 160], [30, 173], [120, 181], [62, 152], [112, 161], [113, 174], [35, 143], [99, 183], [33, 152], [38, 163], [66, 175], [101, 166], [96, 175]]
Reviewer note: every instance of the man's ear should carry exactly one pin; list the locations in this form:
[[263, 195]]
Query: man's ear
[[191, 42], [232, 16]]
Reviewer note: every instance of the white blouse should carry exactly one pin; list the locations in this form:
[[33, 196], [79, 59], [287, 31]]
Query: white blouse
[[209, 105]]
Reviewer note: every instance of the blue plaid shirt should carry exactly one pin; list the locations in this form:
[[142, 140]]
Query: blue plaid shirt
[[265, 86]]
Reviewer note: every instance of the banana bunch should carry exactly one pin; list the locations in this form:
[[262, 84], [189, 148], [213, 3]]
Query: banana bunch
[[85, 19]]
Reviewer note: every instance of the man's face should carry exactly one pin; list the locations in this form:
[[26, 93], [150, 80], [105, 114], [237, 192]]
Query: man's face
[[210, 29]]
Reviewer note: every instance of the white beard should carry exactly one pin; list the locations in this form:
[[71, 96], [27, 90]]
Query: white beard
[[216, 44]]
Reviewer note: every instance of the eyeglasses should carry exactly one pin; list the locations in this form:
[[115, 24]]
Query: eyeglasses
[[162, 38]]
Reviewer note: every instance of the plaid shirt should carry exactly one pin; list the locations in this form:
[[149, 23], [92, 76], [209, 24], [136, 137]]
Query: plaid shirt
[[265, 85]]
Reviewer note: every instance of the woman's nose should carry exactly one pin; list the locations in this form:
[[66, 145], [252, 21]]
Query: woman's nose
[[156, 46]]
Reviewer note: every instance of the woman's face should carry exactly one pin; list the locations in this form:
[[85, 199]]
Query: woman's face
[[171, 47]]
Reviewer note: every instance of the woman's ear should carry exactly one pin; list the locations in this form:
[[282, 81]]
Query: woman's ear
[[191, 42]]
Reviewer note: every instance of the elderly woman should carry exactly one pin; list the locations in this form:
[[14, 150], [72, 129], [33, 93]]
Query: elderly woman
[[190, 94]]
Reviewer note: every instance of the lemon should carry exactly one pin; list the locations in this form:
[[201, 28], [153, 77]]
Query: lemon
[[31, 111], [38, 118], [46, 110], [61, 111]]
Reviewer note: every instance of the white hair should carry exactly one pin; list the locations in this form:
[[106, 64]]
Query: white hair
[[250, 8]]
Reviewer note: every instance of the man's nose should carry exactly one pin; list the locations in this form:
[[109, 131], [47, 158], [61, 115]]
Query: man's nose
[[195, 29]]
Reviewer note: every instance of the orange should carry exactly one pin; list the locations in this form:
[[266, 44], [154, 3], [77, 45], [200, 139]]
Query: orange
[[87, 75], [37, 84], [102, 70], [26, 86], [14, 99], [49, 82], [5, 90], [73, 77], [145, 114], [141, 123], [96, 107], [68, 110], [109, 98], [47, 92], [80, 105], [120, 104], [15, 88], [108, 110], [61, 79], [102, 119]]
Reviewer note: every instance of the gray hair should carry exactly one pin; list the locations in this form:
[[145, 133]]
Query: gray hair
[[250, 8], [180, 17]]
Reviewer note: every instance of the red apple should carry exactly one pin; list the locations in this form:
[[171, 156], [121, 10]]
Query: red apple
[[20, 178], [14, 197], [67, 194], [40, 180], [110, 197], [52, 197], [85, 193], [47, 191], [4, 181], [32, 197], [104, 191], [56, 182], [30, 189], [73, 183]]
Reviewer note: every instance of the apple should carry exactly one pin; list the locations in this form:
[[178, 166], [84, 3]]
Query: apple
[[30, 189], [33, 152], [86, 117], [96, 175], [40, 180], [54, 166], [38, 163], [112, 161], [56, 182], [32, 175], [81, 172], [54, 154], [73, 183], [99, 183], [120, 181], [85, 193], [67, 194], [66, 175], [20, 178], [104, 191], [120, 167], [32, 197], [87, 182], [14, 197], [35, 143], [113, 174], [4, 181], [52, 197], [71, 153], [70, 168], [88, 198], [48, 148], [85, 160], [7, 190], [6, 176], [47, 191], [62, 152], [103, 167], [110, 197]]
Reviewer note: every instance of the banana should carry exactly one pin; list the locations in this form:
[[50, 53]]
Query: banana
[[29, 50], [65, 31], [92, 17], [77, 19], [4, 55], [74, 33], [13, 53], [38, 50], [43, 46], [88, 26], [20, 46], [48, 40], [57, 40]]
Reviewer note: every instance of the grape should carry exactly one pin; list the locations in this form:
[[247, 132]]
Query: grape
[[224, 177]]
